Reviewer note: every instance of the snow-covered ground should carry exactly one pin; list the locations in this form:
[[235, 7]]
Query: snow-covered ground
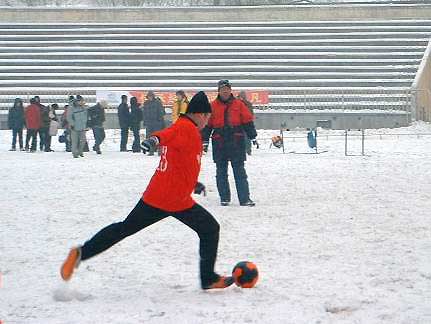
[[336, 239]]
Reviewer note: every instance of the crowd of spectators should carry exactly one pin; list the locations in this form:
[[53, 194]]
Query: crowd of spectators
[[76, 119]]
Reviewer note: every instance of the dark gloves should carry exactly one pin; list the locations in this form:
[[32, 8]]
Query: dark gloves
[[255, 143], [205, 147], [200, 188], [149, 144]]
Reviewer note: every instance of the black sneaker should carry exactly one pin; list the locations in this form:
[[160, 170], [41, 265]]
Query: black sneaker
[[225, 203], [220, 283], [249, 203]]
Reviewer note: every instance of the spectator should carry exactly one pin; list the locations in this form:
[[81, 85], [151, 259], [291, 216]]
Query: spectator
[[16, 121], [44, 123], [135, 123], [32, 121], [66, 133], [124, 120], [96, 118], [153, 113], [230, 120], [180, 105], [243, 97], [53, 127], [77, 119]]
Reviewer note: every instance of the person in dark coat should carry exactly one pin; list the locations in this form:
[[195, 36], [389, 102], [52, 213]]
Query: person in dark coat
[[44, 123], [230, 123], [124, 120], [153, 113], [135, 123], [16, 122], [96, 118], [32, 122]]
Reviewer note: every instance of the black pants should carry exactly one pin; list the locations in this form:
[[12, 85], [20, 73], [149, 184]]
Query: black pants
[[67, 140], [240, 177], [124, 138], [31, 134], [43, 133], [48, 142], [99, 136], [143, 215], [136, 147], [17, 132]]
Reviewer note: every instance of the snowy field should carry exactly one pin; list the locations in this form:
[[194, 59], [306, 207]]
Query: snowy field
[[336, 239]]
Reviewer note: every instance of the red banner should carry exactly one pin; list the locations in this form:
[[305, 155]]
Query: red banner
[[256, 97]]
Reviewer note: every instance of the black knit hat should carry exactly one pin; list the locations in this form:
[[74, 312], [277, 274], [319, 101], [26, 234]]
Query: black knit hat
[[199, 104], [224, 83]]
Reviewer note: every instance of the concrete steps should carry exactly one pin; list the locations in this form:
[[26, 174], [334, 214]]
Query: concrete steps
[[310, 64]]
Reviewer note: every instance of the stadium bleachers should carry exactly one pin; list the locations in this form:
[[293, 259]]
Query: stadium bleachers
[[304, 64]]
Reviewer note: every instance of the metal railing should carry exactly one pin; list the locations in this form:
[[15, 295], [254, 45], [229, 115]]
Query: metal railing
[[302, 100]]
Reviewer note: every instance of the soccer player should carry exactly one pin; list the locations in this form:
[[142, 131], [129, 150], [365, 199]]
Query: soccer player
[[168, 194]]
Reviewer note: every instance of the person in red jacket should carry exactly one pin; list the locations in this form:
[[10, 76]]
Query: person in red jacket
[[32, 121], [168, 194], [230, 123]]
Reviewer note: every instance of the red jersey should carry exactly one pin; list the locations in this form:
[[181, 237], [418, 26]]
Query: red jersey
[[172, 184]]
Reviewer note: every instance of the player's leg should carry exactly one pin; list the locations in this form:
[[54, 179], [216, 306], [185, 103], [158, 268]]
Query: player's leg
[[207, 228], [140, 217]]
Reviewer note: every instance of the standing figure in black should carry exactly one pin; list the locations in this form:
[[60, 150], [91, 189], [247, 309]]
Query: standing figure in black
[[16, 122], [135, 123], [96, 118], [124, 120]]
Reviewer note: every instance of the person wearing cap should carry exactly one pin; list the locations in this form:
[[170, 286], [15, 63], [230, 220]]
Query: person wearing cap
[[168, 194], [230, 123], [77, 119]]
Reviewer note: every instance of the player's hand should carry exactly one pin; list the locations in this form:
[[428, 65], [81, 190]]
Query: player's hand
[[200, 188], [255, 143], [149, 144]]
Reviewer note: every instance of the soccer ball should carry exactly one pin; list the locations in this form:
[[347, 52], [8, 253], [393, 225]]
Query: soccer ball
[[245, 274]]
